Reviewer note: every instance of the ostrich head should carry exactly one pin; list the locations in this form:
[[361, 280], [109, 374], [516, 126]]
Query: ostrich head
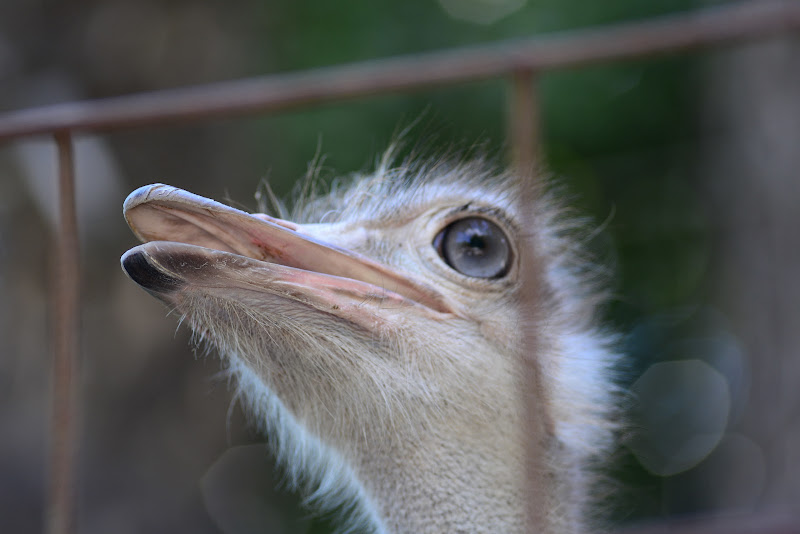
[[376, 339]]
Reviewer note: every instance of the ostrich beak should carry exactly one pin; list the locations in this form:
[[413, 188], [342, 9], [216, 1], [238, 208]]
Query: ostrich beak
[[191, 241]]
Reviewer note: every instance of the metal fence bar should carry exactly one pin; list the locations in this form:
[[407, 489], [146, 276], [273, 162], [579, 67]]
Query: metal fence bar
[[523, 123], [287, 91], [66, 322]]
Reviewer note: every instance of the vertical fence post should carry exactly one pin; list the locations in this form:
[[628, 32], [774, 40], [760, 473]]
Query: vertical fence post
[[60, 506], [523, 124], [525, 152]]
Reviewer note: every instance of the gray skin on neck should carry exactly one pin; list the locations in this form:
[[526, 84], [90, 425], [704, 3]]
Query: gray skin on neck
[[382, 376]]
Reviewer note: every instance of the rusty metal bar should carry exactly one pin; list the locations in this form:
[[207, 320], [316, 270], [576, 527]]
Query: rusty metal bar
[[287, 91], [66, 276], [523, 125], [524, 122]]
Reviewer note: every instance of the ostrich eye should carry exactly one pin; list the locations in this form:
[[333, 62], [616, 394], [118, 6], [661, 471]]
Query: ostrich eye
[[475, 247]]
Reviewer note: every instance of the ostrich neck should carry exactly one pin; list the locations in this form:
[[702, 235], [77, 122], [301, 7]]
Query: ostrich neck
[[433, 485]]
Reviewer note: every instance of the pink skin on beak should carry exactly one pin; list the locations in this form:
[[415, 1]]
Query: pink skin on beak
[[174, 223]]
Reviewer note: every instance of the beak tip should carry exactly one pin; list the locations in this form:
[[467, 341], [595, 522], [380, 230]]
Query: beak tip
[[138, 266], [144, 194]]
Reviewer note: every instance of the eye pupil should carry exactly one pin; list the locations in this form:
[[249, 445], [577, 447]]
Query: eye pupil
[[477, 244], [475, 247]]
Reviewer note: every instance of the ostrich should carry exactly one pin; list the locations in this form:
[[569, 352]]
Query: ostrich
[[376, 337]]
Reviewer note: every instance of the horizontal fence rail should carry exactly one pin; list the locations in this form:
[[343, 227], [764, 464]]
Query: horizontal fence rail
[[287, 91], [519, 61]]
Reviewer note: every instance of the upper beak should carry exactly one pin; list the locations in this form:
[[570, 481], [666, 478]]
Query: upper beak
[[326, 272]]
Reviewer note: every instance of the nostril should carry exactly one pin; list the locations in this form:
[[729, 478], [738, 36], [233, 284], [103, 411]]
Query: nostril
[[140, 269]]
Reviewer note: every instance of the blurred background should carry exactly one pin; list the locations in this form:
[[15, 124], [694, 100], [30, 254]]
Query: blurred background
[[689, 163]]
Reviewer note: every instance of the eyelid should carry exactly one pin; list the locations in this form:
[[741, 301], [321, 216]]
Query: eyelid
[[490, 213]]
